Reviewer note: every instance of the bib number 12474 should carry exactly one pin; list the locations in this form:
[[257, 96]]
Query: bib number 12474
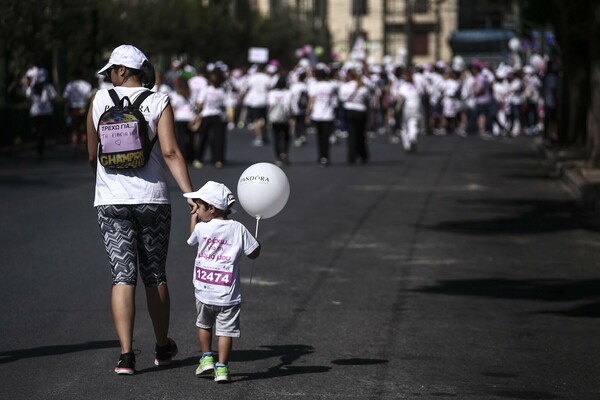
[[221, 278]]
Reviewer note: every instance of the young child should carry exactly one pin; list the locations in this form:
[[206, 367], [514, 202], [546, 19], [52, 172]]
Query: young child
[[221, 242]]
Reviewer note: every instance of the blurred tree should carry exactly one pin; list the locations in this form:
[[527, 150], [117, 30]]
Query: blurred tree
[[49, 34], [74, 37], [575, 24], [290, 34], [593, 142]]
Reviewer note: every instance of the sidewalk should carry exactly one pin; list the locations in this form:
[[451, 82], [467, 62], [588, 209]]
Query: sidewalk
[[582, 180]]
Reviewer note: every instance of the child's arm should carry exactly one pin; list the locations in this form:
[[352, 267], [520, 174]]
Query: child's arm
[[255, 253], [193, 221]]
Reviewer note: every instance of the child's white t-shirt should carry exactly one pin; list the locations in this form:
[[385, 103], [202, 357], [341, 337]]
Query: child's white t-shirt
[[221, 243]]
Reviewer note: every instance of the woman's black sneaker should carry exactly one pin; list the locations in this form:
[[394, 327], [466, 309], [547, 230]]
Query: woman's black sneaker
[[165, 354], [126, 364]]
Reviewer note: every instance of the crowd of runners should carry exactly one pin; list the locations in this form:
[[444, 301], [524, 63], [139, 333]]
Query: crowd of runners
[[399, 102], [351, 101]]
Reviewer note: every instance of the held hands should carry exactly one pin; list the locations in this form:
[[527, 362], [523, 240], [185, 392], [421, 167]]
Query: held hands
[[193, 206]]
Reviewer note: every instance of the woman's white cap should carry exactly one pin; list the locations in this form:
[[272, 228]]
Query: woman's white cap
[[127, 55], [213, 193]]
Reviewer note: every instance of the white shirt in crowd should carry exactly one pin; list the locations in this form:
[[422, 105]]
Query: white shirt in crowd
[[412, 99], [183, 108], [354, 97], [78, 93], [212, 100], [41, 104], [296, 89], [257, 90], [196, 84], [324, 95], [280, 96]]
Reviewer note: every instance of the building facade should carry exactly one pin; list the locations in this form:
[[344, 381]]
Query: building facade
[[406, 30]]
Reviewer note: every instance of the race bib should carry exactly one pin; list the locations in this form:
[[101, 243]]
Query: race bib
[[212, 277]]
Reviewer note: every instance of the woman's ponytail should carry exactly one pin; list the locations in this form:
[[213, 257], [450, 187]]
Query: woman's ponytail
[[148, 75]]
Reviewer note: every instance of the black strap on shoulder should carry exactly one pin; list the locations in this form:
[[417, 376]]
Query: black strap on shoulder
[[140, 99], [114, 96], [138, 102]]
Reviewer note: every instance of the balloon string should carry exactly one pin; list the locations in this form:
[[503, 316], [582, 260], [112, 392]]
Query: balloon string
[[252, 265]]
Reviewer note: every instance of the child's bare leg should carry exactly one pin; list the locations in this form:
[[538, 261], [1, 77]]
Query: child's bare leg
[[205, 337], [225, 345]]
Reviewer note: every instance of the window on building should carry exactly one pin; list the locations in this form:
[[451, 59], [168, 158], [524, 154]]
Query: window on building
[[395, 7], [360, 7], [421, 44], [421, 6], [320, 8], [396, 41]]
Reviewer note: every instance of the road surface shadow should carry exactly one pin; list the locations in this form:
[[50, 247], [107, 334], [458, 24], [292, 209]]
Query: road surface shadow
[[42, 351], [287, 355], [523, 394], [532, 217], [543, 290], [359, 361]]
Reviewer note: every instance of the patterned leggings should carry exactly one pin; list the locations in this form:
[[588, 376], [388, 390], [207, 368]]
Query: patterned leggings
[[136, 235]]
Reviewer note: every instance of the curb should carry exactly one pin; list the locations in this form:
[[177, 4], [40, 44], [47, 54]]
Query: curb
[[584, 182]]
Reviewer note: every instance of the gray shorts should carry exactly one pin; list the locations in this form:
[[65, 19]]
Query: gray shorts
[[225, 319], [136, 237]]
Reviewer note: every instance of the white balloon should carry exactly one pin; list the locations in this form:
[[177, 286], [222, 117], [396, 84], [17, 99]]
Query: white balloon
[[263, 190]]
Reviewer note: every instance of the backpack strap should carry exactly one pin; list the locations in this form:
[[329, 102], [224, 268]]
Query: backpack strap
[[114, 96], [138, 102], [140, 99]]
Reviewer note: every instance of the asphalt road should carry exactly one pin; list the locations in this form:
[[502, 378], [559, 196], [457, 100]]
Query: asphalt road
[[463, 271]]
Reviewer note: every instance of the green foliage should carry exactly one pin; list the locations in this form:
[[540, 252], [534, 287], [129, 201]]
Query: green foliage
[[74, 37], [290, 35]]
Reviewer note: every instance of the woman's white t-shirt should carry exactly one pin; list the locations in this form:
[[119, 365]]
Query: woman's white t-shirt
[[283, 96], [213, 101], [183, 108], [146, 185], [221, 243], [354, 97], [297, 88], [324, 95], [412, 99], [41, 104], [258, 85]]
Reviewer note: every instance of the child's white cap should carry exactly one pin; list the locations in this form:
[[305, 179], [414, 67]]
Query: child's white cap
[[214, 193]]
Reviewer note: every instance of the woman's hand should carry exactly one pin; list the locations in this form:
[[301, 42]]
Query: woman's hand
[[193, 206]]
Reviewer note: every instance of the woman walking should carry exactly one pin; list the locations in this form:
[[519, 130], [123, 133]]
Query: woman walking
[[355, 98], [133, 205], [212, 106], [322, 102]]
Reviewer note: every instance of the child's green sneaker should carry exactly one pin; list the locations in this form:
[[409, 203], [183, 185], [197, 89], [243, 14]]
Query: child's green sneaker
[[222, 373], [207, 364]]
